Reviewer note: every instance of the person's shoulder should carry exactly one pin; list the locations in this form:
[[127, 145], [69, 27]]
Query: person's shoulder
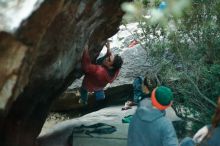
[[217, 129], [138, 78], [101, 70], [166, 122], [100, 67], [145, 102]]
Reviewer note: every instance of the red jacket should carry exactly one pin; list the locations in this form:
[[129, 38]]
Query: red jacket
[[96, 76]]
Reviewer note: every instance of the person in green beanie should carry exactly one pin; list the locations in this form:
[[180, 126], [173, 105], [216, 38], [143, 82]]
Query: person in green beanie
[[149, 126]]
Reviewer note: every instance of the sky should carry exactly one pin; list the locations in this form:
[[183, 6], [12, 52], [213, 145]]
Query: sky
[[12, 12]]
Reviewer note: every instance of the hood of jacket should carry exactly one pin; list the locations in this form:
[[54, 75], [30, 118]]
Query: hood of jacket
[[147, 112]]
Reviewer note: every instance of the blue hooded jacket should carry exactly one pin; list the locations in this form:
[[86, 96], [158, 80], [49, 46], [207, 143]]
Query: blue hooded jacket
[[150, 127]]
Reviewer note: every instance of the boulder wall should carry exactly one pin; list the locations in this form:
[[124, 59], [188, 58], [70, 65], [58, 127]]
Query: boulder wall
[[42, 58]]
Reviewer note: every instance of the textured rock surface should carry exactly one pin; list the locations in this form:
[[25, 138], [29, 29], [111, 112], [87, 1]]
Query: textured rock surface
[[134, 58], [135, 64], [114, 96], [44, 58], [12, 58], [58, 135]]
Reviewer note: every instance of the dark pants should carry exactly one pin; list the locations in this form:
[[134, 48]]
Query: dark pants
[[100, 95]]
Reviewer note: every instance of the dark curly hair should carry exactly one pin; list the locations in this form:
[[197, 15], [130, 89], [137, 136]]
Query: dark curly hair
[[117, 63], [150, 82]]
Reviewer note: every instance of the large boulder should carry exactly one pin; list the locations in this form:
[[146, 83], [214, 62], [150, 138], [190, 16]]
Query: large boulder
[[135, 64], [41, 58], [60, 134], [68, 101]]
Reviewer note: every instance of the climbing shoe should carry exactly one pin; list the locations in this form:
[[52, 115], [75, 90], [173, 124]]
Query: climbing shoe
[[82, 102]]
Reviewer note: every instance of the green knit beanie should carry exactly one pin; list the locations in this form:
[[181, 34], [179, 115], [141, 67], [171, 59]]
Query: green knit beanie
[[164, 95]]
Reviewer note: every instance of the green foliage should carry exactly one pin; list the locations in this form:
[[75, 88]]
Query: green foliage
[[183, 47], [146, 2]]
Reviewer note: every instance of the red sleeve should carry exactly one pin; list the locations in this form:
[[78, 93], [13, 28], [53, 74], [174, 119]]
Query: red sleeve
[[87, 66]]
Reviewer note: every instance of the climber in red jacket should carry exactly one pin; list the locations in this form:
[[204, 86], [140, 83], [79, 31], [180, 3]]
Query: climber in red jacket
[[98, 75]]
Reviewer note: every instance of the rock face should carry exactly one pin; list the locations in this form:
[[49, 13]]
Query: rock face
[[114, 96], [135, 64], [42, 58], [59, 134]]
